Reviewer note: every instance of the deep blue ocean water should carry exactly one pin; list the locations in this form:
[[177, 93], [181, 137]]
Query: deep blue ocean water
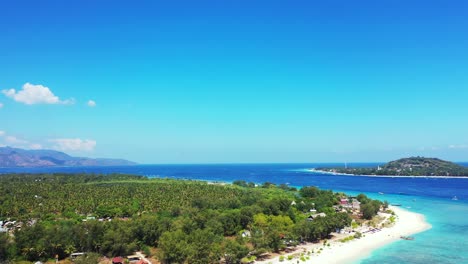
[[446, 242]]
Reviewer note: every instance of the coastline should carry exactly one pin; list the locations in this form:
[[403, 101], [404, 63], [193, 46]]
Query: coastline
[[385, 176], [407, 223]]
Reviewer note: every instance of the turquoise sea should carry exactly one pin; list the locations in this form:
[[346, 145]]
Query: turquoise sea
[[446, 242]]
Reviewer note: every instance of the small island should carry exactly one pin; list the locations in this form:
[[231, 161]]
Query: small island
[[413, 166]]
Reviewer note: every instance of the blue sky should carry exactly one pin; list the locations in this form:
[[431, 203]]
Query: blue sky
[[236, 81]]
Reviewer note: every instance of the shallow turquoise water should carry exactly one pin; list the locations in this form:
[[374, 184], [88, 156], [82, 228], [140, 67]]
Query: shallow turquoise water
[[445, 242]]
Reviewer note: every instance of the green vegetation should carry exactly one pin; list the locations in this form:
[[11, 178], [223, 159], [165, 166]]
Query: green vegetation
[[347, 239], [187, 221], [91, 258], [414, 166], [358, 235], [368, 207]]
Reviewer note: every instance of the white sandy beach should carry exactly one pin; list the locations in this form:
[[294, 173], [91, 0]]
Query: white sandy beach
[[408, 223]]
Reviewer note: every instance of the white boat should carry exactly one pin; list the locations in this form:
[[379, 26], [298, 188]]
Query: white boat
[[455, 198]]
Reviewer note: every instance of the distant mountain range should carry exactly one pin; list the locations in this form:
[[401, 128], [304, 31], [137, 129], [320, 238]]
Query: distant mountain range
[[15, 157]]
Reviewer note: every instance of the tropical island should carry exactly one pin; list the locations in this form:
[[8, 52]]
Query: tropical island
[[92, 218], [413, 166]]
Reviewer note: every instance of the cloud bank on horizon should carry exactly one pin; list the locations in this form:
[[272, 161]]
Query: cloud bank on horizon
[[73, 144], [60, 144]]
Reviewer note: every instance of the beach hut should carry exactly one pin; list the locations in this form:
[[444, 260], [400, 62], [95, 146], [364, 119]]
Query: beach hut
[[133, 258], [76, 255], [313, 216], [246, 233], [356, 204], [343, 201], [118, 260]]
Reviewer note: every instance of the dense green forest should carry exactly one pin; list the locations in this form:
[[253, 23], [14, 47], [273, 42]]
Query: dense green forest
[[414, 166], [187, 221]]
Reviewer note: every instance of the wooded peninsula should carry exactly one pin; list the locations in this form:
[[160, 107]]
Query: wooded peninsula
[[414, 166], [48, 216]]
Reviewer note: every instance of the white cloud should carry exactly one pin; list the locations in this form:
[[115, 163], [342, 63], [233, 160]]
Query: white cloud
[[35, 94], [429, 148], [458, 146], [14, 141], [73, 144], [8, 140], [62, 144], [91, 103], [35, 146], [1, 105]]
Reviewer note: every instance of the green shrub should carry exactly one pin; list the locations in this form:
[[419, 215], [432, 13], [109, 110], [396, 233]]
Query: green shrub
[[358, 235], [346, 239]]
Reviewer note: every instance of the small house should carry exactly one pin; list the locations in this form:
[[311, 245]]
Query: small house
[[118, 260], [133, 258], [356, 204], [76, 254], [314, 216]]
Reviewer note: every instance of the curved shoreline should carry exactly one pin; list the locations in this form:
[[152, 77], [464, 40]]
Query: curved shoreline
[[408, 223], [385, 176]]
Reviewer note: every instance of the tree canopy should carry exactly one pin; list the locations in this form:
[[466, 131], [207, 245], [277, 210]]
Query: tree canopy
[[187, 221]]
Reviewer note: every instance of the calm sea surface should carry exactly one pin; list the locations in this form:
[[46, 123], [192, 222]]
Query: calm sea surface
[[446, 242]]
